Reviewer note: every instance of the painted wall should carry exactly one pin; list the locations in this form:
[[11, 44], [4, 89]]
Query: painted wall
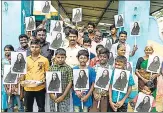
[[11, 23]]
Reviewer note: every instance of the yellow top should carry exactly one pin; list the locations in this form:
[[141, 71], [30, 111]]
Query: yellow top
[[36, 71]]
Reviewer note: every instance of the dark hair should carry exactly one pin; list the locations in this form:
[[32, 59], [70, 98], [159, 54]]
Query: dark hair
[[91, 23], [81, 71], [112, 26], [123, 32], [23, 35], [119, 45], [121, 58], [36, 42], [104, 51], [73, 31], [9, 47], [56, 74], [40, 29], [83, 52], [99, 46], [60, 51], [87, 40]]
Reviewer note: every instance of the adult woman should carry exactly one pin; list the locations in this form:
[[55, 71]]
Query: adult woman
[[144, 77], [31, 24], [103, 80], [54, 83], [154, 66], [57, 26], [77, 16], [145, 105], [135, 29], [46, 7], [120, 21], [19, 65], [57, 42], [121, 82], [82, 80]]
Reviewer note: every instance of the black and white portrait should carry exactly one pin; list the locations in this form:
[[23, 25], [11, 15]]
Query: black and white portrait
[[108, 44], [103, 77], [81, 79], [53, 82], [57, 26], [135, 29], [129, 67], [77, 15], [30, 23], [9, 78], [18, 62], [46, 7], [57, 41], [119, 20], [144, 103], [120, 80], [111, 59], [154, 64]]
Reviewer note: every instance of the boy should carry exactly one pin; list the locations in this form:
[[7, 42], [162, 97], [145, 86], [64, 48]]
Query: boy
[[36, 67], [121, 105], [63, 99], [77, 96], [101, 95]]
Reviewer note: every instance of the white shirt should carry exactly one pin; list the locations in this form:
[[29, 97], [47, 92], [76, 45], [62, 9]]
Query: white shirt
[[114, 50]]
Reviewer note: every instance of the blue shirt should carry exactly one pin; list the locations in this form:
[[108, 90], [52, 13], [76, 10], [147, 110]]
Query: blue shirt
[[122, 95], [76, 100]]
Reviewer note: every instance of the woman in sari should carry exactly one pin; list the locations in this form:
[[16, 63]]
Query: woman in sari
[[144, 77]]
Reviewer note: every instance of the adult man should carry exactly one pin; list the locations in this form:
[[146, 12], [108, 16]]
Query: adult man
[[113, 37], [122, 40], [90, 28], [37, 66], [72, 49], [45, 51]]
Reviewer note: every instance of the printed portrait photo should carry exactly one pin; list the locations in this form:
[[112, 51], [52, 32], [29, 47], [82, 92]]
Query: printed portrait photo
[[53, 82], [56, 26], [56, 41], [46, 6], [120, 80], [18, 62], [144, 103], [154, 64], [9, 78], [129, 67], [119, 20], [77, 15], [103, 77], [80, 79], [111, 59], [108, 44], [30, 23], [135, 29]]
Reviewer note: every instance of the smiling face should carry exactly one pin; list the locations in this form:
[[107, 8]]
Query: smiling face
[[122, 38], [148, 50], [121, 51]]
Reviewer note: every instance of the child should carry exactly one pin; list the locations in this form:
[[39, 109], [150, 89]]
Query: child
[[77, 96], [63, 99], [101, 95], [121, 104]]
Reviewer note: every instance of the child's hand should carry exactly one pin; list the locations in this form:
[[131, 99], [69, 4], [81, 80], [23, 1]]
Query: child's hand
[[97, 96], [59, 99], [113, 106], [84, 98], [120, 103], [78, 93]]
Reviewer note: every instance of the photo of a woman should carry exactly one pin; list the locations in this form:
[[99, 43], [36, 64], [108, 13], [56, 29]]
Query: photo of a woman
[[103, 79], [46, 7], [54, 84], [57, 26], [145, 105], [154, 66], [136, 28], [10, 78], [57, 42], [19, 65], [77, 16], [129, 67], [31, 24], [121, 82], [82, 80], [120, 21]]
